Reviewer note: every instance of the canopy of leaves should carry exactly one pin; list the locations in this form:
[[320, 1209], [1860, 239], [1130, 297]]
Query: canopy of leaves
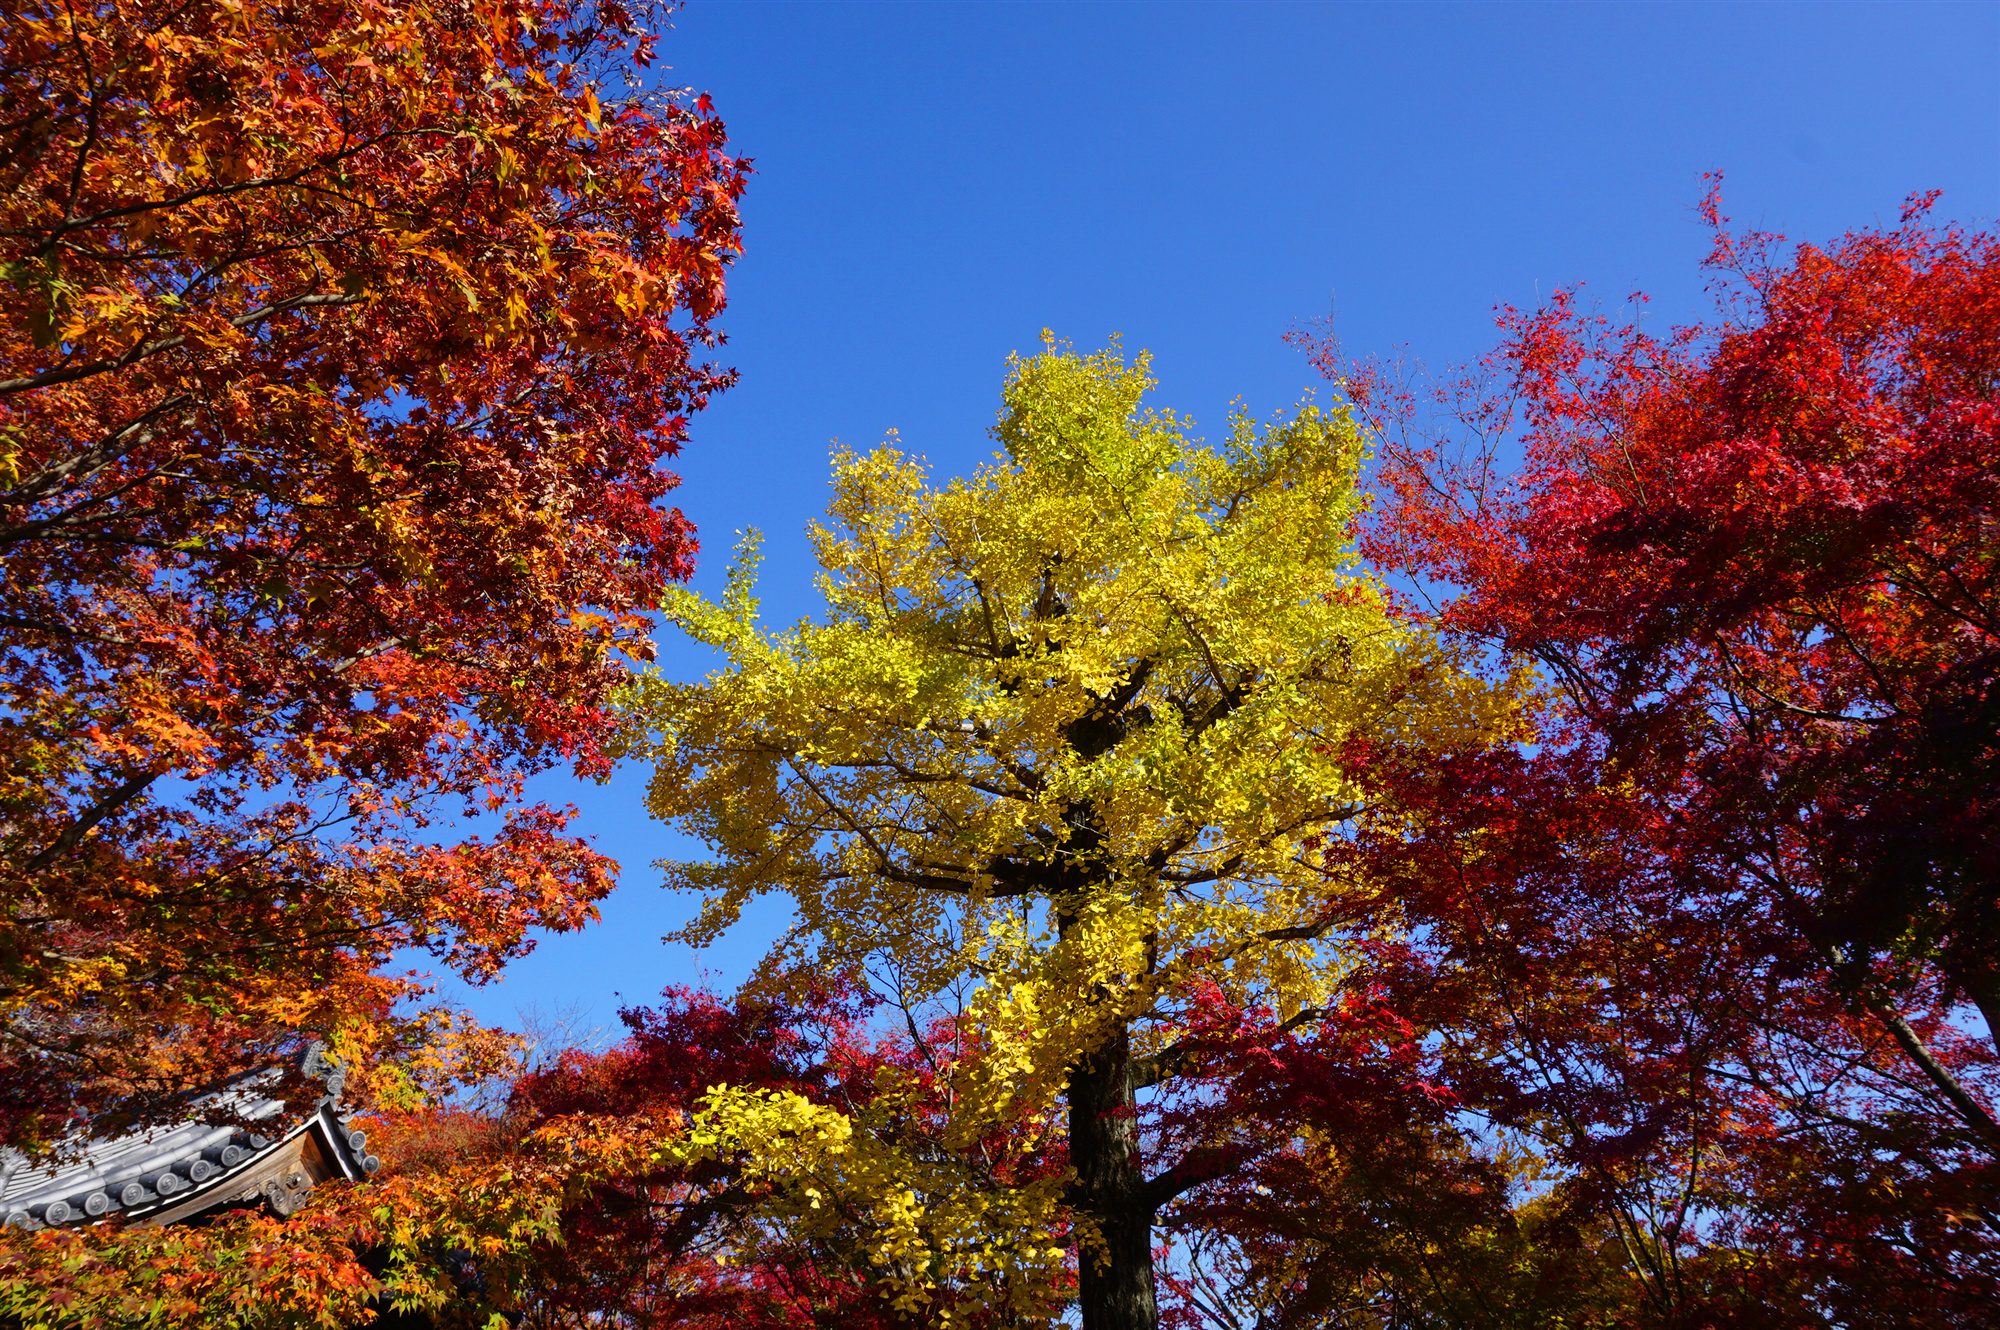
[[339, 348], [1724, 942]]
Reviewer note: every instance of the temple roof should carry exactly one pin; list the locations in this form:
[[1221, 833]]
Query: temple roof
[[172, 1173]]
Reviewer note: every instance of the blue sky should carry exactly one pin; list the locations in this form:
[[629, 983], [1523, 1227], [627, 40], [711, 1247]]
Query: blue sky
[[938, 182]]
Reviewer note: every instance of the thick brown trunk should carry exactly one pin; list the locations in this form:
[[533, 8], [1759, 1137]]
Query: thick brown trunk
[[1114, 1278]]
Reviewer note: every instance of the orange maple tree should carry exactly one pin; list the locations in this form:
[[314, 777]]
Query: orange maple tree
[[340, 346]]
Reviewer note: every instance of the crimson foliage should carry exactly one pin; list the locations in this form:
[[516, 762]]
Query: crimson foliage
[[644, 1251], [1724, 943]]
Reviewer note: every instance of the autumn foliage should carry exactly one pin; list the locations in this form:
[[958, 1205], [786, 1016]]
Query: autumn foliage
[[339, 348], [730, 1236], [1722, 944], [688, 1176], [1602, 930], [1058, 763], [1669, 1016]]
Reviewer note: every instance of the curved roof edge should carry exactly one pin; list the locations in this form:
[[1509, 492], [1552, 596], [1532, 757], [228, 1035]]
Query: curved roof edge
[[169, 1175]]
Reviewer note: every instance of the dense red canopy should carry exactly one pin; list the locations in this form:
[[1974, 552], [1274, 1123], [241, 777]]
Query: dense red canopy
[[1724, 942]]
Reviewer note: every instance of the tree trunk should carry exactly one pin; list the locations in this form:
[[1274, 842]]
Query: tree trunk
[[1114, 1280]]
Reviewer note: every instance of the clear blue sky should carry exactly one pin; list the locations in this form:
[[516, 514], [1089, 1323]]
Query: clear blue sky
[[936, 183]]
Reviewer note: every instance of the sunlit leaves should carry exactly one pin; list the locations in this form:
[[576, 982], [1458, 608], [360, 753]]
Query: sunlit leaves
[[1060, 744], [340, 348], [1724, 943]]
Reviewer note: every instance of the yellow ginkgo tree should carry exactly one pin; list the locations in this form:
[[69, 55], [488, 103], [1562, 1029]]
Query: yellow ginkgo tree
[[1062, 747]]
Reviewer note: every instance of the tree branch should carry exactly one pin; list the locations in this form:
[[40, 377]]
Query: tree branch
[[71, 373], [112, 801]]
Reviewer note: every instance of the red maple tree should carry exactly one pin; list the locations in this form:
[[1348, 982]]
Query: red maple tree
[[1723, 943]]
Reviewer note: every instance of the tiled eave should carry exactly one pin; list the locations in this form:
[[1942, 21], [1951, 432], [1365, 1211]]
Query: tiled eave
[[170, 1175]]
